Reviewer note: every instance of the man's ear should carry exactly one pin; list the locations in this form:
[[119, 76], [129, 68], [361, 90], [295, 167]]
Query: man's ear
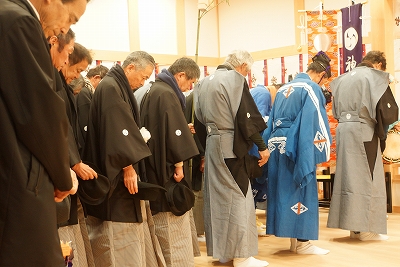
[[181, 75], [130, 68], [53, 39]]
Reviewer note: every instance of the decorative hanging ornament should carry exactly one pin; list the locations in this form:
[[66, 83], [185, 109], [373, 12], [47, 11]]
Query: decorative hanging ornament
[[322, 41], [302, 27]]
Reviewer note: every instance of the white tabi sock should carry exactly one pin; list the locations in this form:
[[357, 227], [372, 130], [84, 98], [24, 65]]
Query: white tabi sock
[[369, 236], [310, 249], [224, 260], [354, 235], [249, 262]]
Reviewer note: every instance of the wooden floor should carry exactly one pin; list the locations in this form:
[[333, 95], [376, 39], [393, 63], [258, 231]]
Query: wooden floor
[[344, 252]]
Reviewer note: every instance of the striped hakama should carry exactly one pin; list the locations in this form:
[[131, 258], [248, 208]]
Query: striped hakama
[[175, 236], [73, 233], [125, 244]]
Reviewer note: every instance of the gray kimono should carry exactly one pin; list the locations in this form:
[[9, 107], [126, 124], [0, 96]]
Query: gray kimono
[[364, 106], [224, 105]]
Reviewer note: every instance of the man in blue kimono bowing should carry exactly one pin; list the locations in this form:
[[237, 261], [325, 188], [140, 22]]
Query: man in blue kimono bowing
[[298, 139]]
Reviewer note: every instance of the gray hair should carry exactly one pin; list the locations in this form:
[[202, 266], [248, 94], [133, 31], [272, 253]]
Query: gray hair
[[239, 57], [139, 59]]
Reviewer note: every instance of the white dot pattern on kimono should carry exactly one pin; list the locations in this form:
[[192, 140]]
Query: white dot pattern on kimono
[[388, 105], [85, 128], [178, 132], [125, 132], [248, 115]]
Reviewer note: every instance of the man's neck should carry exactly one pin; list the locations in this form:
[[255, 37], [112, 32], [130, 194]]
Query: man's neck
[[35, 6]]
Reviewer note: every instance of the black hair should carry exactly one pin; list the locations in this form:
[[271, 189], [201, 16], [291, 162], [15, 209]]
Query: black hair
[[366, 63], [186, 65], [98, 70], [64, 39], [321, 63], [376, 57], [80, 54]]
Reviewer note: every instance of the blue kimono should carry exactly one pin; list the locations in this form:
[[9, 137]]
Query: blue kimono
[[262, 98], [298, 139]]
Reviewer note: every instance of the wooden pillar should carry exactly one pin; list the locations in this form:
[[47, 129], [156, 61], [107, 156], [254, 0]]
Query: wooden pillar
[[133, 20], [382, 29], [180, 27], [298, 5]]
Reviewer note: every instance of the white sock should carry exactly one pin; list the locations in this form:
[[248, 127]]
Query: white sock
[[369, 236], [310, 249], [249, 262], [224, 260]]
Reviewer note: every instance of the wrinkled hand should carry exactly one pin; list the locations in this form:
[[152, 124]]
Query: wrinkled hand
[[191, 128], [264, 157], [178, 174], [60, 195], [84, 171], [131, 179]]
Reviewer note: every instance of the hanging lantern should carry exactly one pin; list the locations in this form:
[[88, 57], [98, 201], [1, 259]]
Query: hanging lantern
[[322, 42]]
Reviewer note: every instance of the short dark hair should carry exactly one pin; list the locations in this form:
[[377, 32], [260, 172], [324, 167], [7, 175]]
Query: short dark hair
[[98, 70], [321, 63], [376, 57], [80, 54], [365, 63], [186, 65], [140, 59], [64, 39]]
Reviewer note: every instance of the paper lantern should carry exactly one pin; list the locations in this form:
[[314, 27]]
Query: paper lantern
[[322, 42]]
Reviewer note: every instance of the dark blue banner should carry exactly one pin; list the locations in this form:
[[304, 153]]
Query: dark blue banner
[[352, 36]]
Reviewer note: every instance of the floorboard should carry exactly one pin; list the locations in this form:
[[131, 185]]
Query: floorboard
[[344, 252]]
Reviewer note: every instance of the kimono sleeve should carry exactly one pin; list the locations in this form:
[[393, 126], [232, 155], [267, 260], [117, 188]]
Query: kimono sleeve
[[308, 140], [386, 113], [119, 136], [83, 107], [248, 121], [28, 88], [180, 143]]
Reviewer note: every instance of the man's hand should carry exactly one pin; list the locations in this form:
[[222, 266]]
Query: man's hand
[[130, 179], [178, 174], [202, 164], [264, 157], [191, 128], [84, 171], [60, 195], [397, 127]]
